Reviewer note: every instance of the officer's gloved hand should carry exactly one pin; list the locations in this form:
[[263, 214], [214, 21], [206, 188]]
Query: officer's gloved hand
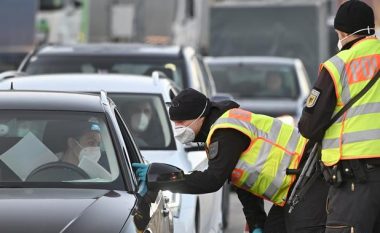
[[257, 230], [141, 171]]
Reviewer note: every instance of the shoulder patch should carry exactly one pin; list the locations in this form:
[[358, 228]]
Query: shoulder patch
[[312, 99], [212, 151]]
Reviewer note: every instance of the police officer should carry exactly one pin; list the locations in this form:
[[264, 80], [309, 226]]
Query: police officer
[[351, 146], [241, 146]]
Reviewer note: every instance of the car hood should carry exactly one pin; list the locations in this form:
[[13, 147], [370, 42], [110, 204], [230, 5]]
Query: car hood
[[270, 107], [63, 210]]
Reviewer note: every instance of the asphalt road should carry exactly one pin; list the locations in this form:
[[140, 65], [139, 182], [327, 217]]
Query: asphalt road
[[236, 218]]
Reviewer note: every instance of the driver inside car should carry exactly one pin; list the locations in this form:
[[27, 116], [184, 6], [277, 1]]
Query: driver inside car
[[83, 143], [83, 150]]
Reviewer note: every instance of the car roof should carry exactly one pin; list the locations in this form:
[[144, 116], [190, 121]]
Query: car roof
[[250, 59], [114, 49], [112, 83], [44, 100]]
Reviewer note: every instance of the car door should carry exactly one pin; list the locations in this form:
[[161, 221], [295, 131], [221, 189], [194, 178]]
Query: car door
[[151, 212]]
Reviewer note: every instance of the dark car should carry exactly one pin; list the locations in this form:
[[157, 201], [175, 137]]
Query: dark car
[[65, 166], [181, 64]]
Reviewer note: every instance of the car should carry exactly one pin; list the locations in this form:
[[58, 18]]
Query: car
[[141, 103], [272, 86], [180, 63], [65, 163]]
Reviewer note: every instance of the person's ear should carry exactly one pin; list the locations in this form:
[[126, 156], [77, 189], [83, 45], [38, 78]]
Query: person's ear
[[341, 34]]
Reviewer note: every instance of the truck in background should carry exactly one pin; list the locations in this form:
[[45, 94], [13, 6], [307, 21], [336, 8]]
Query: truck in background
[[17, 37], [178, 22], [59, 21], [291, 28]]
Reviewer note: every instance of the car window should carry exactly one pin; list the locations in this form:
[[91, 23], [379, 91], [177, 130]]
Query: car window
[[131, 147], [197, 72], [50, 64], [206, 77], [57, 146], [256, 80], [147, 118]]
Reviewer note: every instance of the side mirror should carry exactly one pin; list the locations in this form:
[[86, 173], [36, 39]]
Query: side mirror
[[221, 96], [161, 173]]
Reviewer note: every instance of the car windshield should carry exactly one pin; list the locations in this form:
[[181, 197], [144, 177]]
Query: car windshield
[[247, 80], [172, 68], [147, 118], [57, 146]]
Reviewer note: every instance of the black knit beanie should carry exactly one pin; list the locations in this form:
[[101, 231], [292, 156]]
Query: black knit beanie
[[188, 104], [354, 15]]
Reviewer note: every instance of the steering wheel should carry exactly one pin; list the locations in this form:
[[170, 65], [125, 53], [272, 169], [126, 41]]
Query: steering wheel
[[57, 171]]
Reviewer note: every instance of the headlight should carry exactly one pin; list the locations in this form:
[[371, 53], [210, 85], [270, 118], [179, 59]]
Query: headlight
[[173, 202]]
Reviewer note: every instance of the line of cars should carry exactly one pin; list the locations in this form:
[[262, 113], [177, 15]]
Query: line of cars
[[141, 104], [140, 101], [140, 94]]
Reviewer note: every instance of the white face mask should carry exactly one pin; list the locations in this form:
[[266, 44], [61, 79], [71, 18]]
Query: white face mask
[[140, 121], [91, 153], [340, 44], [185, 134]]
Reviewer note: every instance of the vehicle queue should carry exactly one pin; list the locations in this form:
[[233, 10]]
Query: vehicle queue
[[126, 135]]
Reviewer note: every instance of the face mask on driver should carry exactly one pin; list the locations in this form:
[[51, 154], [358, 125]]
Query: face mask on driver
[[140, 121], [90, 152]]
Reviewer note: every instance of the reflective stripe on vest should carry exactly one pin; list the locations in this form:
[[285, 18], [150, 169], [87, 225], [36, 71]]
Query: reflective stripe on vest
[[356, 134], [274, 147]]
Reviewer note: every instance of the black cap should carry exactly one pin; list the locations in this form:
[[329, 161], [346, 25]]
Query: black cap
[[188, 104], [354, 15]]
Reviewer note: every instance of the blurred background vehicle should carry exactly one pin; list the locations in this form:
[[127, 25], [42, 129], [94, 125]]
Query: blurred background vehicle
[[179, 22], [292, 28], [213, 27], [98, 193], [181, 64], [272, 86], [17, 19], [140, 102]]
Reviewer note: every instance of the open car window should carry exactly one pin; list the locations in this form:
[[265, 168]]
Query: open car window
[[57, 146]]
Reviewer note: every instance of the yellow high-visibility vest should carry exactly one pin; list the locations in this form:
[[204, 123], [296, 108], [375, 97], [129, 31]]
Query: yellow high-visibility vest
[[274, 147], [356, 134]]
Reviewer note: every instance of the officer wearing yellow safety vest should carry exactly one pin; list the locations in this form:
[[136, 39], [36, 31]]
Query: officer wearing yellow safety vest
[[252, 151], [351, 146]]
